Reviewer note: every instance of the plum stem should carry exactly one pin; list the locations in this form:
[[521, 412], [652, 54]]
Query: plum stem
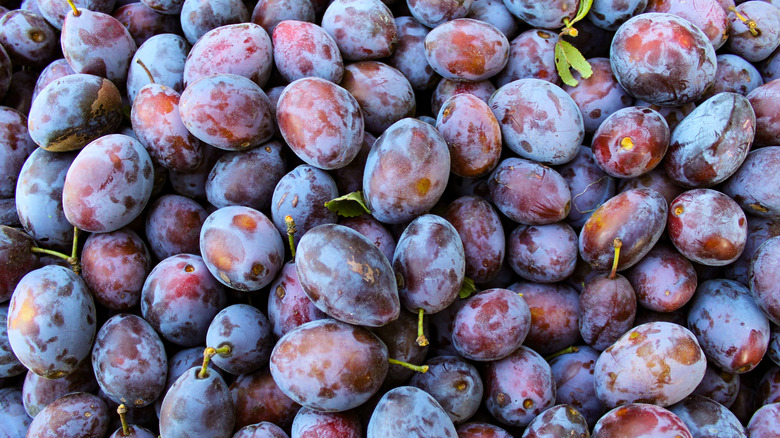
[[208, 353], [572, 349], [422, 341], [122, 410], [76, 12], [291, 230], [146, 69], [72, 259], [751, 24], [418, 368], [617, 244]]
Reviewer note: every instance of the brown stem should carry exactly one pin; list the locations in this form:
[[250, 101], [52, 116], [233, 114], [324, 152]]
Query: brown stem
[[146, 69]]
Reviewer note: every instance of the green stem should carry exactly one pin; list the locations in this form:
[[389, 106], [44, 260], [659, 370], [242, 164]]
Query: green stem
[[208, 353], [418, 368], [572, 349], [291, 230], [422, 341], [72, 259], [122, 410]]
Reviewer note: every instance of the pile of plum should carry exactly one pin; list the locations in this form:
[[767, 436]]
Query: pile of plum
[[398, 218]]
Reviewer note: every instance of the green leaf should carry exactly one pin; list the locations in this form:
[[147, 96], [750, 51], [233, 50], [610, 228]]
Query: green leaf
[[575, 59], [563, 66], [582, 11], [349, 205], [467, 288]]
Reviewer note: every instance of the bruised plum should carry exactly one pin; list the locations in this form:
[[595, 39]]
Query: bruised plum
[[328, 365], [519, 387], [347, 276], [657, 362], [74, 110], [241, 247]]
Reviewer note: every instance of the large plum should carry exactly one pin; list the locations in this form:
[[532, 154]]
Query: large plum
[[347, 276], [108, 184], [429, 264], [538, 120], [328, 365], [637, 217], [406, 171], [663, 59], [657, 362], [51, 321], [86, 107], [129, 361], [321, 122], [711, 143]]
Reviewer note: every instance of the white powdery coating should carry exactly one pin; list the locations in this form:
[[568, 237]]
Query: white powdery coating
[[108, 184], [303, 49], [711, 138], [321, 122], [164, 55], [521, 108], [243, 49], [51, 321], [663, 59]]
